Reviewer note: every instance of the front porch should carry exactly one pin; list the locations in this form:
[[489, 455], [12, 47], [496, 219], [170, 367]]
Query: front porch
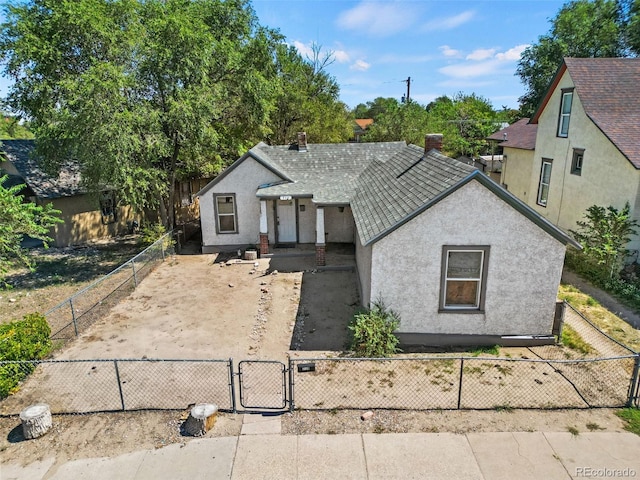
[[338, 256], [297, 226]]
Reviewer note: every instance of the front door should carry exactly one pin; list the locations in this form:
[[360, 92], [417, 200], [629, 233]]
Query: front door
[[286, 213]]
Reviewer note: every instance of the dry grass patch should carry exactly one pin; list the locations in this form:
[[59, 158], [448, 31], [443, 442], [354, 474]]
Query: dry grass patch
[[600, 316]]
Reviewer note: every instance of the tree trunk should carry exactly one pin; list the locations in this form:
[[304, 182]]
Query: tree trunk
[[36, 420], [201, 419]]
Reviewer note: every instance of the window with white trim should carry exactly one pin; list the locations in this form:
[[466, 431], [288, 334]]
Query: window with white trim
[[565, 113], [545, 179], [226, 218], [464, 275]]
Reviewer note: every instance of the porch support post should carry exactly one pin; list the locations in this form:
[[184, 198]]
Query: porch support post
[[264, 228], [320, 242]]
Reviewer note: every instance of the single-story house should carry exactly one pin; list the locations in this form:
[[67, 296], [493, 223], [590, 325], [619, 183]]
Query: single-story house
[[457, 256], [86, 216], [360, 126]]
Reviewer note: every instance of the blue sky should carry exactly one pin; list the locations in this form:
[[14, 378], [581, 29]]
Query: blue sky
[[445, 47]]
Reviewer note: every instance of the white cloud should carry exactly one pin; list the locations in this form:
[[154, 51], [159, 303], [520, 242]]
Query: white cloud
[[512, 54], [341, 56], [481, 54], [469, 69], [360, 66], [483, 62], [449, 23], [447, 51], [377, 18], [304, 49]]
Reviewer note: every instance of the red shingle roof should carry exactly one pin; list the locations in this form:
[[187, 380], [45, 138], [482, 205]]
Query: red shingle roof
[[520, 134], [609, 91]]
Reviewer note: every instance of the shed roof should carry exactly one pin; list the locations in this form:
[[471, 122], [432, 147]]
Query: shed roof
[[21, 154]]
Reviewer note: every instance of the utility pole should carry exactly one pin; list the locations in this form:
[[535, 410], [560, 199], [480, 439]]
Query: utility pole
[[408, 82]]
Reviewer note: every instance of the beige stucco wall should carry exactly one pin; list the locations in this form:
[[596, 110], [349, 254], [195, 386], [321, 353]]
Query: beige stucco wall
[[607, 178], [307, 221], [525, 264], [83, 221], [516, 172], [339, 227], [243, 181]]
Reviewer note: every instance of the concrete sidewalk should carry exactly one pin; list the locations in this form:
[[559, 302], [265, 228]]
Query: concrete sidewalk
[[490, 456]]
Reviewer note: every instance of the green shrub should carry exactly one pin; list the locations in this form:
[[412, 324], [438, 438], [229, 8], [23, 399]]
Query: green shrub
[[151, 232], [20, 340], [372, 331]]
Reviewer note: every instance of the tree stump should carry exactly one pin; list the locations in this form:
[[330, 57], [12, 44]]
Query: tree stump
[[251, 255], [36, 420], [201, 419]]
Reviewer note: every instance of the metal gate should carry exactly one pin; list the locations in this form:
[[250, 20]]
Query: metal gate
[[263, 384]]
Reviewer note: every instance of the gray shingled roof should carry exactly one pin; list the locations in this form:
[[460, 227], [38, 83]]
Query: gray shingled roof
[[326, 172], [389, 193], [20, 154]]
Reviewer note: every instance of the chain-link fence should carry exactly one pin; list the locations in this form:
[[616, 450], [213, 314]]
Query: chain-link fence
[[460, 383], [83, 386], [81, 310]]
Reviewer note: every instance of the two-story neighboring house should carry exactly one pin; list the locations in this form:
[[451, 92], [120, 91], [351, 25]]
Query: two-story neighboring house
[[587, 145], [518, 142]]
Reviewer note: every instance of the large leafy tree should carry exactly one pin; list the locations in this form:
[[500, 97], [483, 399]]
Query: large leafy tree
[[397, 121], [306, 99], [465, 120], [19, 218], [140, 92], [582, 28]]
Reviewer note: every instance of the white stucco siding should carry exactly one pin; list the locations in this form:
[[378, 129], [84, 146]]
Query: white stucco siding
[[363, 265], [338, 225], [243, 181], [306, 221], [524, 267], [516, 172], [607, 177]]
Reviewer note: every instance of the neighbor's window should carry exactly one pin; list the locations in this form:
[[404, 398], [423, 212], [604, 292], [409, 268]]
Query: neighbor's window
[[226, 213], [185, 193], [108, 207], [565, 113], [464, 275], [545, 178], [576, 163]]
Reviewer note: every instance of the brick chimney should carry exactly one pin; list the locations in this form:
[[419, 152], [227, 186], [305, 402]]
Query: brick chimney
[[431, 141], [302, 141]]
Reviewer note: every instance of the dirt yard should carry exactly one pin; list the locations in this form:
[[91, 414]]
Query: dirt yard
[[202, 307], [208, 307]]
